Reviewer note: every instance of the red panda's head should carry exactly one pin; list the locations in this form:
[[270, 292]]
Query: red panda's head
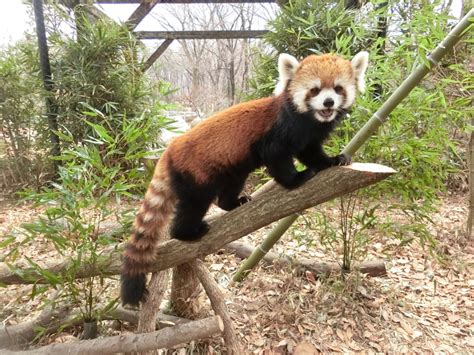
[[322, 84]]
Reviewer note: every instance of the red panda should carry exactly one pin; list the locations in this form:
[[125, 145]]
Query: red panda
[[212, 160]]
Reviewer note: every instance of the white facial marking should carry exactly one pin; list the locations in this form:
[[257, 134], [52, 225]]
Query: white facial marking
[[287, 66], [299, 95], [317, 104], [350, 90]]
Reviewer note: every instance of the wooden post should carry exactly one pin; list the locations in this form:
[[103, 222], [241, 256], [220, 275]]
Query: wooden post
[[51, 107], [156, 54], [218, 305]]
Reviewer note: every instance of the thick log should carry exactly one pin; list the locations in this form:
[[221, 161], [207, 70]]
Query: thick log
[[218, 305], [199, 34], [18, 335], [244, 250], [160, 339], [271, 206]]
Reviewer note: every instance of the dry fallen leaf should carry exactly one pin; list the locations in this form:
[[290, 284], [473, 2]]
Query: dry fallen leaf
[[305, 349]]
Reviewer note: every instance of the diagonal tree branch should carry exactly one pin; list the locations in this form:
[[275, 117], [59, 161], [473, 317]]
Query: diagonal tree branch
[[266, 208]]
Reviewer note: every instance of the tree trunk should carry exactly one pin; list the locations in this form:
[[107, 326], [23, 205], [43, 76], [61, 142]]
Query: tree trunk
[[185, 290], [51, 106]]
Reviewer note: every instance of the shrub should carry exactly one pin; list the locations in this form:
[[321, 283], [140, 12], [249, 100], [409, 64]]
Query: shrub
[[22, 127]]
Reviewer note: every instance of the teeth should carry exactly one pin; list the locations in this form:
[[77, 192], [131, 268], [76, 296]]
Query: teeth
[[326, 113]]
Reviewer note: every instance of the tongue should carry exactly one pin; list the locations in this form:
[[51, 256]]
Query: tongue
[[326, 112]]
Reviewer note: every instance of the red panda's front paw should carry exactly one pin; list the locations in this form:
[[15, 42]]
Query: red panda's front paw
[[244, 199], [342, 159]]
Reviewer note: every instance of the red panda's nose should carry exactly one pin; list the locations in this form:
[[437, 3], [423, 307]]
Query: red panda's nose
[[328, 102]]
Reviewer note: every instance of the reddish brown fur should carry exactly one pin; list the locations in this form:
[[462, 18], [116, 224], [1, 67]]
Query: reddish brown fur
[[325, 67], [247, 122]]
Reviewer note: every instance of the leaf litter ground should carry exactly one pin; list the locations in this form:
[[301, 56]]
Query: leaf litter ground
[[423, 305]]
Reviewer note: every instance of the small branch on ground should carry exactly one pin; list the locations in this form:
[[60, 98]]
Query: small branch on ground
[[164, 338], [371, 268], [16, 336], [130, 316]]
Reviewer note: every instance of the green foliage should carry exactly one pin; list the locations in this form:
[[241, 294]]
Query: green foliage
[[98, 77], [89, 192], [349, 233], [100, 69], [22, 126], [110, 119], [423, 138]]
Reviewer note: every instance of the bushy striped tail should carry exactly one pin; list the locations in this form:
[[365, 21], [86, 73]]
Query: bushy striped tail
[[150, 226]]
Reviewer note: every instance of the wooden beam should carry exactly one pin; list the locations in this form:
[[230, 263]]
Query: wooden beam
[[185, 1], [199, 34], [156, 54], [140, 13]]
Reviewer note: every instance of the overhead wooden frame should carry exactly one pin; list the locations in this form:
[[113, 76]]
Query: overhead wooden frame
[[182, 1], [199, 34], [146, 6]]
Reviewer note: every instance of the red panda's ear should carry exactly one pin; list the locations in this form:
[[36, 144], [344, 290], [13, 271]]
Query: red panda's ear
[[359, 65], [287, 66]]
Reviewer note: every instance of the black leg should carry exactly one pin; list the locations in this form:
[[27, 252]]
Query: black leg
[[188, 221], [283, 171], [228, 196], [315, 157], [193, 202]]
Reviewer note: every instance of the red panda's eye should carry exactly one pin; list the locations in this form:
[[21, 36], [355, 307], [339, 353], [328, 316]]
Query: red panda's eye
[[338, 89], [315, 91]]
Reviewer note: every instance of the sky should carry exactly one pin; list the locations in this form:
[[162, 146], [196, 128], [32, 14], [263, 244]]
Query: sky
[[14, 18]]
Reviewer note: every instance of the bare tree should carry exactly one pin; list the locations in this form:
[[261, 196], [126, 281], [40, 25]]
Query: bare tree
[[209, 74]]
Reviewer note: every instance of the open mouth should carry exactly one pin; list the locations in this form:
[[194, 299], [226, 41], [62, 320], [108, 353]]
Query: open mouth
[[327, 113]]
